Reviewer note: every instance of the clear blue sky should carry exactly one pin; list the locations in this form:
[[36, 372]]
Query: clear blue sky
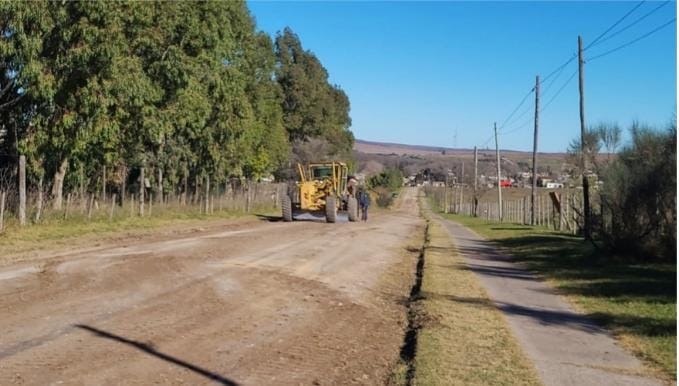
[[418, 72]]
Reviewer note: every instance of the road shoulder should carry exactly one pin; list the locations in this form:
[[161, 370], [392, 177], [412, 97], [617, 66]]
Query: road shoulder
[[566, 347]]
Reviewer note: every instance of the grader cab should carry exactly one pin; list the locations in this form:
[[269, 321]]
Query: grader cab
[[322, 189]]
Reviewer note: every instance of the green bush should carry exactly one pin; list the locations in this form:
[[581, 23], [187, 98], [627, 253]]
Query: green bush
[[385, 197], [385, 185], [391, 179], [639, 197]]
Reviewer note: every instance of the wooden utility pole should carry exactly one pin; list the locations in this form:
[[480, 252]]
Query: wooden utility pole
[[461, 188], [22, 190], [476, 180], [583, 145], [499, 186], [534, 179]]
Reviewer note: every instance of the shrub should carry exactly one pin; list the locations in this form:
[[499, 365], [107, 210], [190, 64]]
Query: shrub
[[639, 196]]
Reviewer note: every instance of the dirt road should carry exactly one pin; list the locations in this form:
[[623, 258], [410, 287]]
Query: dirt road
[[251, 304]]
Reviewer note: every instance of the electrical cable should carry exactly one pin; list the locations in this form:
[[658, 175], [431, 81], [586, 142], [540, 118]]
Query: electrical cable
[[560, 90], [632, 41], [631, 24], [517, 107], [614, 24]]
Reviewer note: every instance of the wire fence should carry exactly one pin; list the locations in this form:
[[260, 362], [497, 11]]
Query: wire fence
[[118, 204], [556, 209]]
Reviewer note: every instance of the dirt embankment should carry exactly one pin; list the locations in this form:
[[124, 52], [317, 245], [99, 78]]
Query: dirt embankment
[[252, 304]]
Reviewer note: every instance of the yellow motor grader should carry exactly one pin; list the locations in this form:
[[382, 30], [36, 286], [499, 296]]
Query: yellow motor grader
[[322, 189]]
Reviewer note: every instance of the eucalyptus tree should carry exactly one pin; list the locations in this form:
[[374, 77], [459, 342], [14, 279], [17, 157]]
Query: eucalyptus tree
[[312, 108]]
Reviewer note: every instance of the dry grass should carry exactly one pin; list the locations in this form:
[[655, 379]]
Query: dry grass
[[462, 341], [58, 233]]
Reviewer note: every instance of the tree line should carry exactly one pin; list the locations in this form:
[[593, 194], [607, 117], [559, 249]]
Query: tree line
[[91, 92]]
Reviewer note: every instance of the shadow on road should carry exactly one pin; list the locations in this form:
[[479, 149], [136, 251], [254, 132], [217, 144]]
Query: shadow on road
[[151, 351]]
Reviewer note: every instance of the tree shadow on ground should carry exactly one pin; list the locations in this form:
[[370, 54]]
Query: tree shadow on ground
[[582, 271], [588, 322], [147, 348]]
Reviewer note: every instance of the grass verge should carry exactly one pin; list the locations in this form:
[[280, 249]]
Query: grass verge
[[460, 340], [636, 302], [59, 233]]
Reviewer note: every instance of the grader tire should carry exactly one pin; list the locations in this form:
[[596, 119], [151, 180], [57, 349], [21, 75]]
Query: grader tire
[[331, 209], [352, 208], [286, 204]]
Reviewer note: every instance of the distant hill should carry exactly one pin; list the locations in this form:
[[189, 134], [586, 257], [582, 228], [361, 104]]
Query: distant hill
[[370, 147]]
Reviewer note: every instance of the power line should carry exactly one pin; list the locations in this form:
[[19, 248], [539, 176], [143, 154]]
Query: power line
[[560, 90], [553, 81], [560, 67], [517, 108], [486, 142], [523, 125], [633, 41], [518, 117], [614, 25], [632, 24]]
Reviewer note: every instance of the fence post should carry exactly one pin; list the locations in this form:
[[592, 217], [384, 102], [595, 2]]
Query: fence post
[[90, 204], [22, 190], [38, 212], [142, 187], [103, 185], [566, 211], [132, 205], [2, 210], [113, 205], [247, 198], [68, 205], [207, 194]]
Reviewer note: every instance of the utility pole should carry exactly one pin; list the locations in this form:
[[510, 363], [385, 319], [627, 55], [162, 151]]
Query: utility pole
[[583, 145], [461, 188], [534, 179], [499, 187], [476, 168]]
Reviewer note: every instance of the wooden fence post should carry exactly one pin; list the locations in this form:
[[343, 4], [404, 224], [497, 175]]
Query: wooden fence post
[[91, 205], [247, 198], [2, 210], [142, 187], [68, 205], [113, 205], [22, 190], [207, 194], [38, 212]]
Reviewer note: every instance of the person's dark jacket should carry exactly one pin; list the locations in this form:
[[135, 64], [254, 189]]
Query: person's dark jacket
[[364, 199]]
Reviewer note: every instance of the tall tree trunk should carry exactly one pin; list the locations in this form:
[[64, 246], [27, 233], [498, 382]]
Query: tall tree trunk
[[58, 185]]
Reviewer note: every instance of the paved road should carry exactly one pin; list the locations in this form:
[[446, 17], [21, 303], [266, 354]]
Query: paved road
[[566, 347]]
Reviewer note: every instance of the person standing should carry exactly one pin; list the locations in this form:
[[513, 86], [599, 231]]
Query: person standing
[[364, 203]]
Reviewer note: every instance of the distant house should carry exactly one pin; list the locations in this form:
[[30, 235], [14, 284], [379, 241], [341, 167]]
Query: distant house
[[554, 185], [542, 182]]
